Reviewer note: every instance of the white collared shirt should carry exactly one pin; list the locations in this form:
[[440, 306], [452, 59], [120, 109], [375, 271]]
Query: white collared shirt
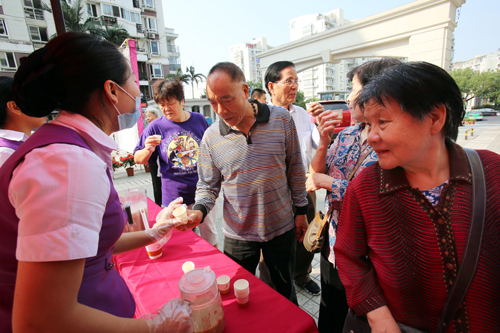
[[5, 152], [307, 132], [60, 193]]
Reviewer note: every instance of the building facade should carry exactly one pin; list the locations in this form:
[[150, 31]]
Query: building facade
[[25, 27], [246, 57]]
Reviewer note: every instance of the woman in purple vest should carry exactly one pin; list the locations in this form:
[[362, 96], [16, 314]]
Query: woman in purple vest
[[61, 218], [15, 126]]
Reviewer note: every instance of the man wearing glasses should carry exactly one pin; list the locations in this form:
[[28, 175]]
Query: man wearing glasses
[[282, 84]]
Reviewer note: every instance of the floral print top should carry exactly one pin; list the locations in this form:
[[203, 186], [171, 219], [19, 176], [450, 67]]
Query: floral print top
[[342, 157]]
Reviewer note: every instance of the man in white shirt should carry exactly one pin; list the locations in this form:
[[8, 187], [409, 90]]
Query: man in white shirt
[[282, 84]]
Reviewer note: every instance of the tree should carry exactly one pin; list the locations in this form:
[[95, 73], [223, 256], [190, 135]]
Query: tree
[[482, 85], [184, 78], [300, 99], [194, 77], [73, 16], [253, 85], [115, 33]]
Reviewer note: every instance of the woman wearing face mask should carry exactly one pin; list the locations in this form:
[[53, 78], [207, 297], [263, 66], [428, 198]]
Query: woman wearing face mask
[[61, 218], [15, 126]]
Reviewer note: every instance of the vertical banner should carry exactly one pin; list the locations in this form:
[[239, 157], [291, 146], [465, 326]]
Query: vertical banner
[[133, 62]]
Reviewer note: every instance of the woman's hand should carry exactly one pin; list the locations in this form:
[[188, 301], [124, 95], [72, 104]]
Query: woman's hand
[[151, 142], [326, 125], [316, 181], [315, 109], [382, 321], [175, 316]]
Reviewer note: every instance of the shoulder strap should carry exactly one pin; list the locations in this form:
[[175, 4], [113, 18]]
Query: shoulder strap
[[470, 257], [360, 160]]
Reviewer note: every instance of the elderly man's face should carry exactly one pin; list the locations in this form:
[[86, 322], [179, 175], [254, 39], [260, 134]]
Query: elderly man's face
[[228, 98], [284, 92]]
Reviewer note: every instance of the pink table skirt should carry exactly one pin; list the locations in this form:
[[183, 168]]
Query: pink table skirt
[[154, 282]]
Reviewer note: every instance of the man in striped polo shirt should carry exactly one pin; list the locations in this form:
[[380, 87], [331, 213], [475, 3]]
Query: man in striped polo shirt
[[252, 152]]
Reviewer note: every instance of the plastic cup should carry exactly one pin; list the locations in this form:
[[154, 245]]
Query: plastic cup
[[187, 266], [180, 212], [154, 250], [340, 114], [223, 284], [242, 301], [241, 288], [157, 138], [308, 106]]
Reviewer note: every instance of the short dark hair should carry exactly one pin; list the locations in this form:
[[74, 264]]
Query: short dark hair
[[273, 72], [230, 69], [418, 87], [168, 89], [64, 74], [257, 92], [367, 71], [6, 95]]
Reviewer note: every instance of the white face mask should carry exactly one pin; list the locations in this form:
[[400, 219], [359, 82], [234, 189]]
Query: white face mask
[[128, 120]]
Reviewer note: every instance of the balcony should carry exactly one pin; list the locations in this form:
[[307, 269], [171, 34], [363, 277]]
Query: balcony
[[148, 5], [173, 49], [174, 67], [109, 19], [143, 76], [138, 26], [34, 13]]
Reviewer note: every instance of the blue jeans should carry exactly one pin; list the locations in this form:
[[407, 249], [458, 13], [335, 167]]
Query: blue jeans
[[279, 255]]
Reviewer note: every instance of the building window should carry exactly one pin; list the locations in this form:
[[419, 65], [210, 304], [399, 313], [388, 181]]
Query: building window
[[152, 24], [155, 48], [125, 14], [91, 10], [116, 11], [3, 29], [149, 3], [106, 10], [38, 34], [135, 17], [7, 60], [156, 70]]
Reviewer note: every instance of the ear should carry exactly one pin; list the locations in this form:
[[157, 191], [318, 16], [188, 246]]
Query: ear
[[438, 119], [12, 107], [270, 87], [182, 103], [246, 90], [111, 91]]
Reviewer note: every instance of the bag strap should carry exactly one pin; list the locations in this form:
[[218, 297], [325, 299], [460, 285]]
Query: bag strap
[[351, 175], [472, 250]]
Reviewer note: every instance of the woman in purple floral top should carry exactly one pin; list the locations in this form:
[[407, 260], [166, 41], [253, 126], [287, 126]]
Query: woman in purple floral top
[[332, 169]]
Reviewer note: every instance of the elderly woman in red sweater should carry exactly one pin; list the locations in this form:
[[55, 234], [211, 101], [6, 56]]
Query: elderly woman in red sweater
[[405, 219]]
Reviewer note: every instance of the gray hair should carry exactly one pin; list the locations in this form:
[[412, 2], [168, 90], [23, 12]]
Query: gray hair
[[154, 110]]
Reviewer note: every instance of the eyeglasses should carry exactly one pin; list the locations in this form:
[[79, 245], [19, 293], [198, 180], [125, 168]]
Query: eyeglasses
[[289, 82]]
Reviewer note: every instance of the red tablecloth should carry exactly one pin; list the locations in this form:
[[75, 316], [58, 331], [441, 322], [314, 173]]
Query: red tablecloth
[[154, 282]]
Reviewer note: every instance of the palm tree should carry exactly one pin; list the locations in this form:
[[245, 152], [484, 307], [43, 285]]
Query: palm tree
[[184, 78], [194, 77], [73, 16], [115, 33]]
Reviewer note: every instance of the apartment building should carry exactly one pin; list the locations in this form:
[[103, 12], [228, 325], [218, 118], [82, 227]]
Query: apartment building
[[24, 27], [246, 57]]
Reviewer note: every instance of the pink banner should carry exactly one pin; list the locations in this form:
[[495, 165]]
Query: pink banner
[[135, 68]]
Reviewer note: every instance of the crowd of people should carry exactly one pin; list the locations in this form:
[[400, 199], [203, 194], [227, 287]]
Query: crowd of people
[[398, 190]]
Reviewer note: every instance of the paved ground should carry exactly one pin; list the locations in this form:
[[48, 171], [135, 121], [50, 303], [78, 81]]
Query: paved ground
[[486, 136]]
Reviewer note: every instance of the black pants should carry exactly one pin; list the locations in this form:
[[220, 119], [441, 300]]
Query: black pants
[[153, 169], [303, 258], [333, 306], [279, 255]]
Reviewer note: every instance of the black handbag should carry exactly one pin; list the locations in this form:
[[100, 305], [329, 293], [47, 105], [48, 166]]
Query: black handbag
[[466, 271]]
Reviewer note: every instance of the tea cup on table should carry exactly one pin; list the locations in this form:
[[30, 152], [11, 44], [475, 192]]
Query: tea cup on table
[[223, 284], [242, 292]]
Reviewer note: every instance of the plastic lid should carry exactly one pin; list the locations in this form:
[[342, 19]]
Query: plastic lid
[[198, 285]]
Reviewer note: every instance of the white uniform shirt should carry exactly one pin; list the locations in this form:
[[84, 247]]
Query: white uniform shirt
[[5, 152], [60, 193], [307, 132]]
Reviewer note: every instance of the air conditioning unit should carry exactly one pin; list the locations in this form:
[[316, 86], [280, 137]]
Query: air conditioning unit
[[151, 35]]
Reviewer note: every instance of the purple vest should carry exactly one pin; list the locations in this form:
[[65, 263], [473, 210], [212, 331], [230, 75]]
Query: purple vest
[[102, 286], [10, 143]]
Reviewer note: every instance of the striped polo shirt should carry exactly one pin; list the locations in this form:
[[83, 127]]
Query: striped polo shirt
[[261, 175]]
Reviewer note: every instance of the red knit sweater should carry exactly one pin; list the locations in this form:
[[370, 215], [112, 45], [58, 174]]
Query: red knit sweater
[[415, 248]]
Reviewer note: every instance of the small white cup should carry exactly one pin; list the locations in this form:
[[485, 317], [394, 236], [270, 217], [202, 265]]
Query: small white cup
[[308, 106], [187, 266], [241, 288], [223, 283], [180, 212]]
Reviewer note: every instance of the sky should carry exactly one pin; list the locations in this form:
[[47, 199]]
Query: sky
[[208, 28]]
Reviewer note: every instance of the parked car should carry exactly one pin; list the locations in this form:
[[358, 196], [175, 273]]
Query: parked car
[[488, 112], [474, 115], [346, 115]]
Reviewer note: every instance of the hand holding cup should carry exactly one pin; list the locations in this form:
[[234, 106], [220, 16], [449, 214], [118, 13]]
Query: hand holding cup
[[152, 141], [314, 108]]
